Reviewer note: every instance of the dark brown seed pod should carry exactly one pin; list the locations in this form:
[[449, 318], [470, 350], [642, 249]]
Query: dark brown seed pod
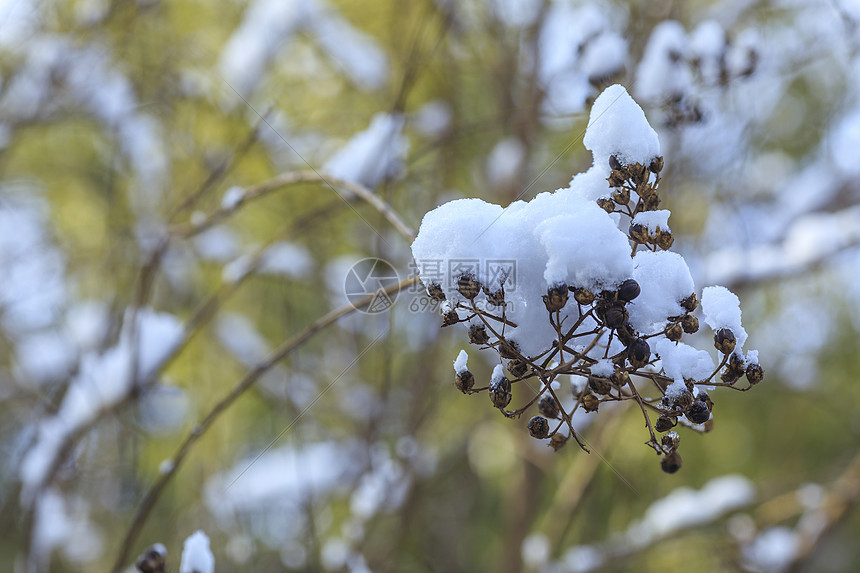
[[698, 412], [690, 303], [665, 423], [663, 239], [706, 398], [583, 296], [682, 400], [468, 286], [495, 298], [689, 323], [755, 373], [614, 163], [464, 381], [435, 292], [626, 335], [599, 385], [645, 190], [671, 463], [650, 202], [548, 406], [555, 298], [639, 353], [538, 427], [639, 233], [500, 392], [669, 442], [724, 341], [656, 165], [621, 196], [620, 378], [731, 375], [509, 349], [590, 403], [606, 204], [674, 332], [152, 560], [628, 290], [518, 368], [478, 334], [616, 178], [638, 172], [615, 316], [557, 441], [450, 318]]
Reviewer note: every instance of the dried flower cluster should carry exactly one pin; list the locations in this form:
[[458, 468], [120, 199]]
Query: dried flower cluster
[[587, 338]]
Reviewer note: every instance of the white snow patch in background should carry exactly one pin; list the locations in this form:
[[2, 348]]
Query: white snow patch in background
[[372, 155], [196, 555]]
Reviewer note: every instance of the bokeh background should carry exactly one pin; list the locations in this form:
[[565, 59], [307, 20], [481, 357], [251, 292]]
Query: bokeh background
[[150, 261]]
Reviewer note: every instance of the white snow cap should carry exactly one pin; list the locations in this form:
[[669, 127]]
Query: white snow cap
[[664, 280], [617, 126], [722, 309], [196, 555], [460, 365], [556, 238]]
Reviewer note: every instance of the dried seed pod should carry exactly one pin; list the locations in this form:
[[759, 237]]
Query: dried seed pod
[[435, 292], [616, 178], [665, 423], [478, 334], [518, 368], [599, 385], [614, 163], [671, 463], [706, 398], [639, 233], [152, 560], [621, 195], [500, 392], [538, 427], [637, 172], [606, 204], [656, 164], [495, 298], [548, 406], [639, 353], [626, 336], [468, 286], [645, 190], [731, 375], [663, 239], [755, 373], [508, 349], [724, 341], [690, 323], [698, 412], [620, 378], [615, 316], [682, 400], [651, 202], [690, 303], [464, 381], [583, 295], [556, 297], [450, 318], [628, 290], [557, 441], [590, 403], [669, 442], [674, 332]]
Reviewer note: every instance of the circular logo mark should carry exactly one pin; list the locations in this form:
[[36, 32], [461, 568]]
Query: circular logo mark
[[366, 282]]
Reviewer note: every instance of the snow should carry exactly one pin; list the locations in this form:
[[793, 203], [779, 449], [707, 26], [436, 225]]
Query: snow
[[460, 365], [505, 161], [664, 280], [196, 555], [232, 197], [498, 373], [773, 549], [681, 361], [604, 56], [617, 126], [372, 155], [286, 259], [721, 309], [536, 549], [603, 368], [653, 220]]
